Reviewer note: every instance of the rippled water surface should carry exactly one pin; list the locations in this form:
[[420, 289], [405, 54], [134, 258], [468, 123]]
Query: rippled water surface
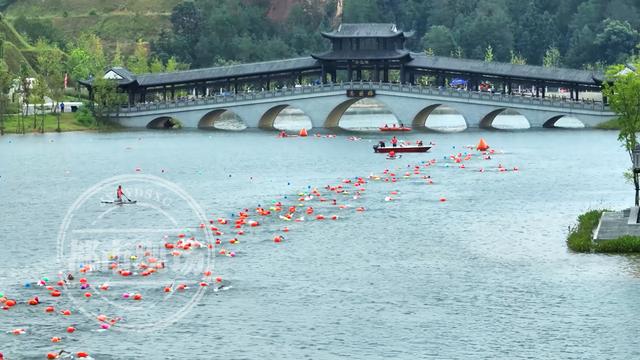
[[484, 275]]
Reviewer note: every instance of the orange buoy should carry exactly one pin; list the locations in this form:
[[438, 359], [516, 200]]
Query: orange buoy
[[218, 279], [443, 199], [137, 297], [167, 289], [55, 293], [55, 339], [82, 354], [482, 145], [71, 329], [66, 312], [52, 356], [87, 295], [49, 309], [303, 132]]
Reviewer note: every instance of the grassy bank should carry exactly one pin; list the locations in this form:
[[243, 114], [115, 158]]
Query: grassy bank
[[580, 238], [613, 124], [68, 122]]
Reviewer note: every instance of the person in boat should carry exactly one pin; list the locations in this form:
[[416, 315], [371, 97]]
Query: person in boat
[[394, 141], [419, 142], [401, 125], [394, 125], [381, 144], [386, 126]]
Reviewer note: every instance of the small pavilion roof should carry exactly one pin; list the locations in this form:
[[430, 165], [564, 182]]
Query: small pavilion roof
[[558, 75], [366, 30], [362, 55]]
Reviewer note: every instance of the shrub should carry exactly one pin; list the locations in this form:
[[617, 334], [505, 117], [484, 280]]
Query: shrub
[[580, 237], [84, 116]]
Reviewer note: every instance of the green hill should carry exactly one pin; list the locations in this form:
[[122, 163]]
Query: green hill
[[16, 49], [122, 21]]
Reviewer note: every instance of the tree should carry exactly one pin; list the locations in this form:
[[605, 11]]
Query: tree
[[488, 54], [79, 65], [25, 92], [458, 52], [488, 24], [186, 19], [6, 81], [106, 99], [622, 89], [361, 11], [440, 39], [533, 31], [551, 57], [616, 41], [138, 63], [517, 58], [172, 65], [40, 90], [117, 60], [156, 65]]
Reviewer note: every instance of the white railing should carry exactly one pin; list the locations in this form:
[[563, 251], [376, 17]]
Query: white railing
[[402, 88]]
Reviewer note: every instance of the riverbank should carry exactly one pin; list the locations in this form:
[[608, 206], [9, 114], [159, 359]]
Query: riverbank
[[68, 122], [613, 124], [580, 238]]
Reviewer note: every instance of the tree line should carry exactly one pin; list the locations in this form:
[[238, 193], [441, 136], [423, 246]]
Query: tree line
[[571, 33]]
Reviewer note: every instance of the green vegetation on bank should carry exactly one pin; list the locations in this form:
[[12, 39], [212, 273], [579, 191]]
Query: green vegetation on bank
[[580, 237], [613, 124], [80, 121]]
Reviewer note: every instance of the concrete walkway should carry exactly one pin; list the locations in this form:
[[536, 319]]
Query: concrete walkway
[[614, 224]]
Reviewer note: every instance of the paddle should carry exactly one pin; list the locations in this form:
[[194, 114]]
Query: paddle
[[125, 196]]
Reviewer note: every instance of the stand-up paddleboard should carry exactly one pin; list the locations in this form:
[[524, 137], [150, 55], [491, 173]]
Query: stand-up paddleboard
[[116, 202]]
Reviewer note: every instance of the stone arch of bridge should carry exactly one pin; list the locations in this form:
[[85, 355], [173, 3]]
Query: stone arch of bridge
[[207, 122], [269, 117], [164, 122], [421, 118], [336, 114], [487, 121], [551, 123]]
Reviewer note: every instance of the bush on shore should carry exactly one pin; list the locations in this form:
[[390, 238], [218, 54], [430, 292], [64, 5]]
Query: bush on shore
[[613, 124]]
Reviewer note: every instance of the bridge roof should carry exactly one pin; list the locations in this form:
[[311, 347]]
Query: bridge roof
[[499, 69], [225, 72], [362, 55], [214, 73], [364, 30]]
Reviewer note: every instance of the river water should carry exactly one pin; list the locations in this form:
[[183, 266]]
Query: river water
[[483, 275]]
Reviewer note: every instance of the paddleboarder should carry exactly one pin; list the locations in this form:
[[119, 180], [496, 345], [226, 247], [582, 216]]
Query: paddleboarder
[[120, 193]]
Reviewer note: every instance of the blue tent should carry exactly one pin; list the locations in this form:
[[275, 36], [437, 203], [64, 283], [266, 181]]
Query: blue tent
[[458, 82]]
